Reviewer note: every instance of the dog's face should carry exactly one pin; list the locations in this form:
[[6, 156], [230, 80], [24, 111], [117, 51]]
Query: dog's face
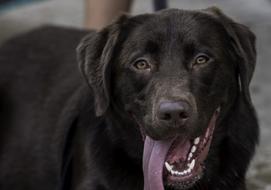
[[174, 74]]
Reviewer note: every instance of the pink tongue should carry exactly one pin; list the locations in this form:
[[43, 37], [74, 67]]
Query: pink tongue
[[154, 156]]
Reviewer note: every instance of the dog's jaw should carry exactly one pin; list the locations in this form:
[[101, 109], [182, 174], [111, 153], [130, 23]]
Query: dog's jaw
[[176, 162]]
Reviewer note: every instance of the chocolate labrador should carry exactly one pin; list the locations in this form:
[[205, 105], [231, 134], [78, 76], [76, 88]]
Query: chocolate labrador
[[163, 104]]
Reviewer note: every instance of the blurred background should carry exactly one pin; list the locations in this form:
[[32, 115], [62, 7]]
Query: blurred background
[[24, 15]]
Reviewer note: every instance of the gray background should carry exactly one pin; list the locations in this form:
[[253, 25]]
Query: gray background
[[254, 13]]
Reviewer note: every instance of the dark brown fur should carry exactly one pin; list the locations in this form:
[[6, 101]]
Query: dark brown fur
[[51, 137]]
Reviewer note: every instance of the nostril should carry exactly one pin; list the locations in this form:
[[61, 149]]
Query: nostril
[[183, 115], [167, 116]]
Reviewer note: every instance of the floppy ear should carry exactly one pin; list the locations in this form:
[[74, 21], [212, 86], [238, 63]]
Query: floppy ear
[[243, 42], [95, 54]]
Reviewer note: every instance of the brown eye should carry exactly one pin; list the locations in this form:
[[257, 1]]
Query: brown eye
[[202, 59], [142, 65]]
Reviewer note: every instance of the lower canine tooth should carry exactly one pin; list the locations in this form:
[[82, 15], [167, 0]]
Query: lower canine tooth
[[168, 166]]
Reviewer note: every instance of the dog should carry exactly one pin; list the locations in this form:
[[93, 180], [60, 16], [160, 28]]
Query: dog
[[161, 102]]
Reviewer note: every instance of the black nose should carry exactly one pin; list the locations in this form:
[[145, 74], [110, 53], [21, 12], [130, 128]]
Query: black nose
[[174, 112]]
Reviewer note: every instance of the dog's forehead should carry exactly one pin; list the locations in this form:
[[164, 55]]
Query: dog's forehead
[[169, 28]]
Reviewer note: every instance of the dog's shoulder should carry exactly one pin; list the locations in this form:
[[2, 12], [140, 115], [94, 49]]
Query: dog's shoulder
[[39, 73], [45, 48], [39, 68]]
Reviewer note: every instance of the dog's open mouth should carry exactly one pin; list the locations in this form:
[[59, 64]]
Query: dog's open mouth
[[176, 162]]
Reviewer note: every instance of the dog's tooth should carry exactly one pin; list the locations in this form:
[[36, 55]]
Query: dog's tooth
[[179, 173], [189, 170], [190, 155], [175, 172], [193, 149], [192, 164], [196, 141], [168, 166]]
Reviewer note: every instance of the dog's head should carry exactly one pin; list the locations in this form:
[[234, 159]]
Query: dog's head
[[176, 74]]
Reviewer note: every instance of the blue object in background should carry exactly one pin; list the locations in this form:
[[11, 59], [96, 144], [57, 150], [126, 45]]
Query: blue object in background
[[9, 4], [160, 4]]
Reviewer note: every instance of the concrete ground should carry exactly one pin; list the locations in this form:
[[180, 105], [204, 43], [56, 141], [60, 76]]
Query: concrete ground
[[256, 14]]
